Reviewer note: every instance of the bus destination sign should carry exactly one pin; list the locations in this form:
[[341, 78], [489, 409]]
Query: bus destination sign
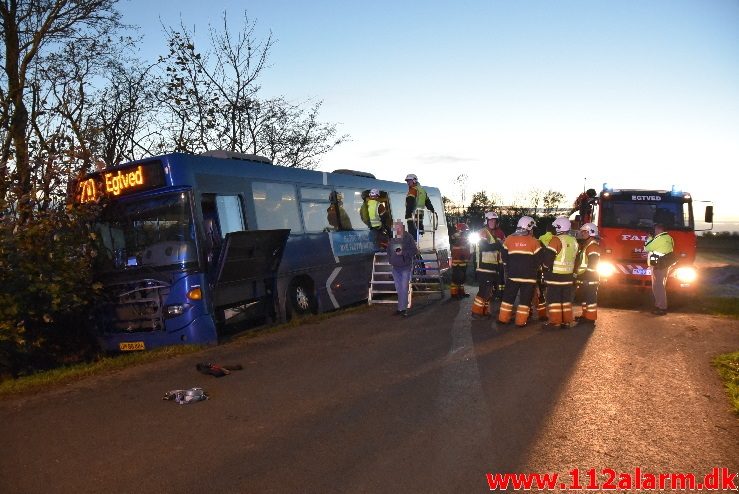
[[121, 181]]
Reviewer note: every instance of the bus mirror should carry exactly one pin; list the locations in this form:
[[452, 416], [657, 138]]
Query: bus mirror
[[709, 214]]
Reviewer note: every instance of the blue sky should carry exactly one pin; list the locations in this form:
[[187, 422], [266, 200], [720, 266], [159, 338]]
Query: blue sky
[[517, 95]]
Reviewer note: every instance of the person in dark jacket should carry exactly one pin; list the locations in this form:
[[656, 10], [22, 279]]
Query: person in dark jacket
[[401, 251]]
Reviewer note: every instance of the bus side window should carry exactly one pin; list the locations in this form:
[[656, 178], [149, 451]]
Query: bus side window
[[352, 204], [313, 204], [276, 206]]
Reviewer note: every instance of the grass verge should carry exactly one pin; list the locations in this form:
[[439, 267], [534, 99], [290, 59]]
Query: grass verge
[[64, 375], [720, 306], [728, 367]]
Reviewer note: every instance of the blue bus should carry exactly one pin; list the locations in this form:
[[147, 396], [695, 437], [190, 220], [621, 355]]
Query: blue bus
[[187, 240]]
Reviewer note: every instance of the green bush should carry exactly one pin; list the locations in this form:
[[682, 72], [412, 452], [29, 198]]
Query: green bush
[[46, 287]]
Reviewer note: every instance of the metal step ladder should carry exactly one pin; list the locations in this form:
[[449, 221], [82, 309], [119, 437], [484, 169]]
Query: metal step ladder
[[428, 272], [381, 286]]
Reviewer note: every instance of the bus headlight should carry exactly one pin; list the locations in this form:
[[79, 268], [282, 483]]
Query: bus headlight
[[473, 238], [686, 274], [175, 310], [606, 269]]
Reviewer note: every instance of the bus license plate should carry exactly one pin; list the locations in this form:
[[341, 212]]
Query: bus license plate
[[131, 346], [642, 271]]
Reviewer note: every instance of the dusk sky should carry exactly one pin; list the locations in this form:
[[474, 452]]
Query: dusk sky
[[517, 95]]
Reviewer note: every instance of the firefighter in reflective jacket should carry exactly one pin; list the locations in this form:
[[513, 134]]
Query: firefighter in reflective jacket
[[661, 253], [460, 258], [559, 259], [521, 255], [415, 202], [587, 274], [540, 302], [489, 263]]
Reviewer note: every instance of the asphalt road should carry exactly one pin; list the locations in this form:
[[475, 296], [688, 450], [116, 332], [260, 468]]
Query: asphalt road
[[368, 402]]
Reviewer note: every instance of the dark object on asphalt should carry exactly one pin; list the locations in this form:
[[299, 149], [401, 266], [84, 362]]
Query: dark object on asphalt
[[216, 370], [186, 396], [659, 312]]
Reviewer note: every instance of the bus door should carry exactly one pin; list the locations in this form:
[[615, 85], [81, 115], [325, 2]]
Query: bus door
[[222, 214]]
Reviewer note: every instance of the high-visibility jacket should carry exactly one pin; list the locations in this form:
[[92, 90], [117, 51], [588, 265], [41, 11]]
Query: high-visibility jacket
[[659, 246], [416, 199], [589, 257], [546, 238], [565, 249], [373, 209], [488, 252], [521, 257]]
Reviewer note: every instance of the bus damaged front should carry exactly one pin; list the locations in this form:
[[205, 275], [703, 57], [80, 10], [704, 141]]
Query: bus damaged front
[[626, 221], [153, 277]]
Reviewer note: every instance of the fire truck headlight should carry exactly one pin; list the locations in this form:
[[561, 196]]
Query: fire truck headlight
[[606, 269], [686, 274], [473, 238]]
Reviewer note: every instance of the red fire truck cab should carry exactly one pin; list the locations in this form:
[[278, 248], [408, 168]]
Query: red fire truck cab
[[626, 218]]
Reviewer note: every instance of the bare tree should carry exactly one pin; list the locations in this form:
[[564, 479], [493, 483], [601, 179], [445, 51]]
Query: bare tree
[[212, 101], [31, 28]]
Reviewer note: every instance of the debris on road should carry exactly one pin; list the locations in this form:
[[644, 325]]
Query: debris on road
[[186, 396], [217, 370]]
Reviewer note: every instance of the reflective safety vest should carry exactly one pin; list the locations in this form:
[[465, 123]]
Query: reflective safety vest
[[659, 246], [590, 248], [564, 262], [488, 260], [546, 238], [373, 209], [420, 195]]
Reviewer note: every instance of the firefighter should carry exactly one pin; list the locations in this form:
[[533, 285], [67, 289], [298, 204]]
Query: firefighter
[[559, 260], [587, 274], [415, 202], [521, 255], [584, 205], [489, 262], [540, 303], [661, 254], [460, 258], [336, 215], [374, 214]]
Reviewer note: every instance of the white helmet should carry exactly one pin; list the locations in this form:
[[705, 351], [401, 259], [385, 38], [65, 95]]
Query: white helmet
[[561, 225], [411, 176], [591, 228], [374, 193], [526, 223], [490, 215]]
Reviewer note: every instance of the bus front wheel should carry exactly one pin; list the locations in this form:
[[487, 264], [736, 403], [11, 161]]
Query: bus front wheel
[[301, 298]]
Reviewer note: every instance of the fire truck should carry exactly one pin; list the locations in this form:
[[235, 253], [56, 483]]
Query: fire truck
[[626, 218]]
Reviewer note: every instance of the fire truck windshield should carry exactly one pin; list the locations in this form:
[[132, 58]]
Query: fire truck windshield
[[154, 231], [675, 215]]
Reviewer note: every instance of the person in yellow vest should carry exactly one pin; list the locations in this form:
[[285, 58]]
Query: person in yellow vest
[[661, 257], [521, 256], [374, 213], [489, 261], [587, 274], [460, 258], [415, 202], [559, 261]]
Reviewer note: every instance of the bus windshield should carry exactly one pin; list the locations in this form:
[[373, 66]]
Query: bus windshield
[[154, 231], [629, 214]]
